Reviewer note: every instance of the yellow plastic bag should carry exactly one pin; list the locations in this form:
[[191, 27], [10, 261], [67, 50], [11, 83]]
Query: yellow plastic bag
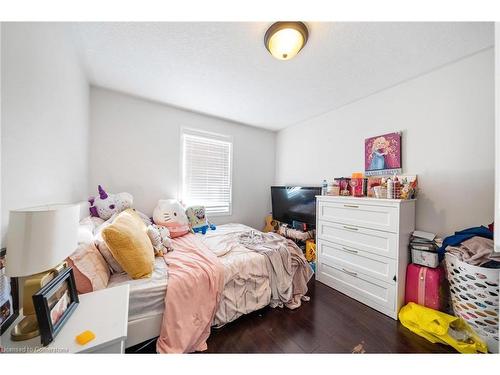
[[437, 326]]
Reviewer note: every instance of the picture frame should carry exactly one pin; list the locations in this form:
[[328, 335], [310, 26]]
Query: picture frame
[[54, 304], [383, 155], [9, 296]]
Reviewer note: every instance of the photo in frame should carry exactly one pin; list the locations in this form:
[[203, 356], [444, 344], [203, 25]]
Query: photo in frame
[[54, 304], [9, 296], [383, 155]]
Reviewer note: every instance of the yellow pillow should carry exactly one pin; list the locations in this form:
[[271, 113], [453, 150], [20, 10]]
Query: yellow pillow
[[128, 241]]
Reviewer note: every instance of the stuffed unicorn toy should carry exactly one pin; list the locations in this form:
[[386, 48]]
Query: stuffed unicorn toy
[[106, 205], [172, 215]]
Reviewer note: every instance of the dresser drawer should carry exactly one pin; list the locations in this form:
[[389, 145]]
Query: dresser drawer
[[358, 238], [372, 216], [374, 293], [369, 264]]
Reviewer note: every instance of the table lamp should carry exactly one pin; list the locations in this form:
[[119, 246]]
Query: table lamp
[[39, 239]]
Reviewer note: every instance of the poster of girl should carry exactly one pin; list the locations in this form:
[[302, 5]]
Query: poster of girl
[[383, 155]]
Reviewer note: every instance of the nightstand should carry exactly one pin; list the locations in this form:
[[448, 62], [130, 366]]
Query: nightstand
[[104, 312]]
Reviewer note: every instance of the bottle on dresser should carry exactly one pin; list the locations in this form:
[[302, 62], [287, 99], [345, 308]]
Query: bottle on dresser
[[324, 187], [390, 188], [396, 190]]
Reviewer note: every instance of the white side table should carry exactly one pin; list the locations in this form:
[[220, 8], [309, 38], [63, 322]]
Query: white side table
[[104, 312]]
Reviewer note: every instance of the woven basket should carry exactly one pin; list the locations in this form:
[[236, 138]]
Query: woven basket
[[474, 297]]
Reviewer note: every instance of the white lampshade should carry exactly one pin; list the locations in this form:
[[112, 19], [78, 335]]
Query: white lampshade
[[39, 238]]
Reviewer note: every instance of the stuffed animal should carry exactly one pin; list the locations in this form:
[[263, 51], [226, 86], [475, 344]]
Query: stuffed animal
[[160, 238], [172, 215], [198, 219], [105, 205]]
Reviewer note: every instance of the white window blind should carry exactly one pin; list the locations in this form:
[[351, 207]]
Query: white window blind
[[206, 171]]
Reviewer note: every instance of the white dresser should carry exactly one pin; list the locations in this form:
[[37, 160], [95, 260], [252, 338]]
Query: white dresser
[[362, 248]]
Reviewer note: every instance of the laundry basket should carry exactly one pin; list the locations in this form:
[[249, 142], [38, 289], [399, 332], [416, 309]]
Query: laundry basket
[[474, 297]]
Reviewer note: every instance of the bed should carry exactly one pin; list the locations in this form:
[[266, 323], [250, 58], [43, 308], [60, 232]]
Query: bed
[[246, 286], [146, 303]]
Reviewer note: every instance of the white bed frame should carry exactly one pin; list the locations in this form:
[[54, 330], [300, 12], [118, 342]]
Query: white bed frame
[[139, 330]]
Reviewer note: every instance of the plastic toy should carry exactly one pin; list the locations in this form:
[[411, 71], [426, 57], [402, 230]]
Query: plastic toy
[[85, 337]]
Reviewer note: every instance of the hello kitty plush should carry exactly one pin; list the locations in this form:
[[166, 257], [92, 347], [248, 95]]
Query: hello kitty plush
[[105, 205], [172, 215]]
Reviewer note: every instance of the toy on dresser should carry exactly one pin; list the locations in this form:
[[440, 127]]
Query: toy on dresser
[[400, 187], [393, 187]]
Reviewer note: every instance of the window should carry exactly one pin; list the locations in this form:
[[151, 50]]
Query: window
[[206, 171]]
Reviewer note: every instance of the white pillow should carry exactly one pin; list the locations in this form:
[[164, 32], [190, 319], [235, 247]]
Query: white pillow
[[92, 222], [86, 229], [85, 235]]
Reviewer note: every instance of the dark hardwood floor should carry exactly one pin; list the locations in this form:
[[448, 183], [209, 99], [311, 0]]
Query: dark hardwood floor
[[330, 323]]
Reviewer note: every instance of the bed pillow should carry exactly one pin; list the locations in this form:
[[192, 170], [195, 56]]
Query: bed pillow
[[86, 229], [89, 268], [92, 222], [85, 234], [114, 266], [130, 245]]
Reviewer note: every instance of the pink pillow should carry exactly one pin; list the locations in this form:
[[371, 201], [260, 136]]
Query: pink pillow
[[90, 269]]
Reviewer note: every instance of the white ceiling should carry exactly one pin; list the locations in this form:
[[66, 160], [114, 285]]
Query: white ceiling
[[223, 69]]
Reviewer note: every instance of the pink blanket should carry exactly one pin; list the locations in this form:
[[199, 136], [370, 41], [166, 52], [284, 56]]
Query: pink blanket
[[195, 284]]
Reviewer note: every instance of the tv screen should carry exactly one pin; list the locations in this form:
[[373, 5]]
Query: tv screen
[[291, 203]]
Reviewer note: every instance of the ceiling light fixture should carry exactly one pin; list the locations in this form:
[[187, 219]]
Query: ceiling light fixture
[[285, 39]]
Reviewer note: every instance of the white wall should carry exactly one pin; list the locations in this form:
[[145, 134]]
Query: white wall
[[135, 147], [44, 118], [447, 119]]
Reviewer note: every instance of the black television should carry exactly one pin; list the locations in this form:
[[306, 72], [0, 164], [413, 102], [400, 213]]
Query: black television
[[294, 203]]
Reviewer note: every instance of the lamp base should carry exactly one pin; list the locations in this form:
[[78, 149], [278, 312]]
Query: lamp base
[[26, 329]]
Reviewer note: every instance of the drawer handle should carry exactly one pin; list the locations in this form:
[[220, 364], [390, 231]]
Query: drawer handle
[[350, 272], [350, 250], [350, 206], [350, 228]]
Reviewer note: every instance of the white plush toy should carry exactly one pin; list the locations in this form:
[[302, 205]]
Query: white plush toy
[[160, 238], [171, 214], [105, 205]]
